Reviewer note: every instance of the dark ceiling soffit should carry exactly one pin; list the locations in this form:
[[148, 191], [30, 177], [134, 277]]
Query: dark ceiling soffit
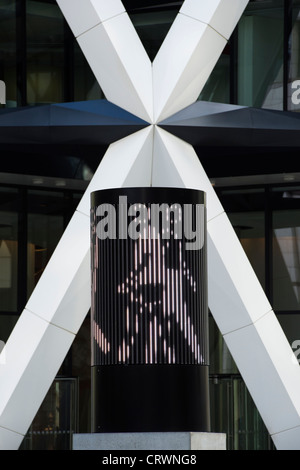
[[220, 125], [203, 124], [82, 123]]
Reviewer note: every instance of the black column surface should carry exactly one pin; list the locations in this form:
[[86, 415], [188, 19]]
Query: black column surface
[[149, 310]]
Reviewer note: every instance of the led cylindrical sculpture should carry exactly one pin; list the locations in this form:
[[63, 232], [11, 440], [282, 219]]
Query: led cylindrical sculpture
[[149, 310]]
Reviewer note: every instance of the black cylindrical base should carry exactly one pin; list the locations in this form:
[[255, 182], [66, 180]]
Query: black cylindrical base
[[150, 398], [149, 310]]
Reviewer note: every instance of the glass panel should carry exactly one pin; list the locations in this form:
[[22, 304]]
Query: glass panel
[[217, 88], [233, 412], [8, 250], [45, 53], [250, 229], [8, 51], [7, 324], [286, 258], [80, 360], [249, 430], [221, 407], [260, 55], [221, 361], [45, 227], [86, 86], [294, 64], [152, 28], [56, 420], [245, 209], [290, 324]]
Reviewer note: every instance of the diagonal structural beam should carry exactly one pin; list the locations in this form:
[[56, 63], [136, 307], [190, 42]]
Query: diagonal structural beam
[[190, 52], [61, 300], [238, 303], [119, 61]]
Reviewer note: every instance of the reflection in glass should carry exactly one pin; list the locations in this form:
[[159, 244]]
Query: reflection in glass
[[45, 53], [7, 324], [45, 227], [217, 88], [86, 86], [250, 230], [286, 260], [56, 420], [290, 323], [245, 209], [8, 250], [260, 55], [6, 265], [7, 50], [221, 361], [233, 412], [152, 28], [294, 62]]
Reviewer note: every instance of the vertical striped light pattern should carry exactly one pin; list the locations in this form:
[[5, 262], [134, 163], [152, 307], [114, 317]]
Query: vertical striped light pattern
[[149, 295]]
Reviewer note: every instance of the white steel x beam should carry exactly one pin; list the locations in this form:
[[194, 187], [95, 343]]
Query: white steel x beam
[[151, 157]]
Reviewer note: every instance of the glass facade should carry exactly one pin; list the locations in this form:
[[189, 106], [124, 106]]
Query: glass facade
[[57, 419], [218, 86], [260, 55], [246, 210], [41, 63], [233, 412], [31, 224], [8, 36], [84, 86], [293, 65], [45, 53], [266, 220], [8, 249], [286, 249], [45, 225]]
